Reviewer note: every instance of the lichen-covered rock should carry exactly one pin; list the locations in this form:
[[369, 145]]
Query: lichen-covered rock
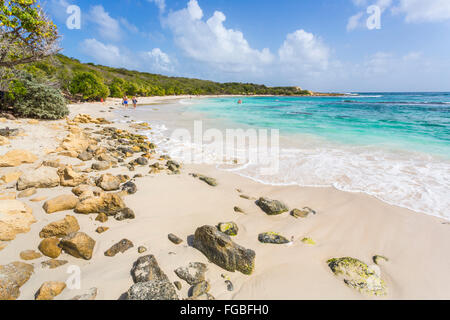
[[194, 273], [121, 246], [15, 217], [70, 178], [61, 203], [146, 268], [49, 247], [90, 295], [108, 203], [60, 228], [125, 214], [12, 277], [15, 158], [79, 245], [200, 289], [305, 212], [43, 177], [30, 255], [108, 182], [271, 207], [221, 250], [272, 237], [49, 290], [152, 290], [174, 239], [309, 241], [358, 275], [229, 228]]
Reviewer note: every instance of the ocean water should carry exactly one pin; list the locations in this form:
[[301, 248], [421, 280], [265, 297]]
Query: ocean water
[[395, 146]]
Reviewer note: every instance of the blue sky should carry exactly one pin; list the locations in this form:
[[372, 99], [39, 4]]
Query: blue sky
[[322, 45]]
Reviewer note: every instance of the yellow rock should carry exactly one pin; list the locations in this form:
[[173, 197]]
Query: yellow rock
[[3, 120], [49, 290], [60, 228], [33, 121], [8, 196], [15, 158], [27, 193], [15, 217], [4, 141], [11, 176], [49, 247], [30, 255], [12, 277], [61, 203]]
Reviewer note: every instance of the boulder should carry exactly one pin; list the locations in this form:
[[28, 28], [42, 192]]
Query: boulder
[[108, 203], [238, 210], [11, 176], [194, 273], [271, 207], [272, 237], [15, 217], [101, 166], [121, 246], [15, 158], [60, 228], [79, 245], [49, 247], [221, 250], [146, 268], [85, 156], [61, 203], [358, 275], [174, 239], [49, 290], [12, 277], [125, 214], [152, 290], [129, 187], [229, 228], [43, 177], [108, 182], [70, 178]]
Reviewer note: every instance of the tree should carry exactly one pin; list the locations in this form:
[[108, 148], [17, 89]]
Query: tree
[[89, 86], [27, 34]]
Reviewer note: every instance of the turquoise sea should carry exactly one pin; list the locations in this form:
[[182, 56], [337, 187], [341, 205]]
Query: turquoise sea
[[395, 146]]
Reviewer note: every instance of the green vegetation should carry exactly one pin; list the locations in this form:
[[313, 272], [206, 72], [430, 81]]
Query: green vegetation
[[88, 86]]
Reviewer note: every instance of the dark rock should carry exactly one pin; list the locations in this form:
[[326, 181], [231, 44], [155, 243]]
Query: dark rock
[[7, 132], [122, 246], [152, 290], [174, 239], [141, 161], [229, 284], [178, 285], [147, 269], [239, 210], [125, 214], [85, 156], [271, 207], [193, 274], [130, 187], [200, 289], [272, 237], [229, 228], [297, 213]]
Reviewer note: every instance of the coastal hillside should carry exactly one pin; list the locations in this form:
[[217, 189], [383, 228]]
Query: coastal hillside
[[69, 73]]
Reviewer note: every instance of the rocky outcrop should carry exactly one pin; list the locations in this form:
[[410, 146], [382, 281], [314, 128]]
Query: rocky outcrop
[[358, 275], [15, 158], [121, 246], [194, 273], [221, 250], [60, 203], [44, 177], [271, 207], [108, 203], [229, 228], [272, 237], [79, 245], [12, 277], [49, 290], [60, 228], [15, 217]]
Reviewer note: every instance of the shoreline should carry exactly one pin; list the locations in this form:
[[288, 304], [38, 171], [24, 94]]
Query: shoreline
[[345, 225]]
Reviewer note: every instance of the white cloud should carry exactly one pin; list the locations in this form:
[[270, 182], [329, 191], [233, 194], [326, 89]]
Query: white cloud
[[129, 26], [211, 42], [106, 54], [424, 11], [161, 4], [354, 21], [107, 27], [305, 52], [357, 21], [159, 61]]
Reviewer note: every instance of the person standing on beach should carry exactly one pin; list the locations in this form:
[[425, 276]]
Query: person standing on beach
[[125, 102], [134, 102]]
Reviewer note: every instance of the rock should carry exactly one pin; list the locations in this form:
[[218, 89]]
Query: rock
[[129, 187], [229, 284], [272, 237], [4, 141], [146, 268], [271, 207], [210, 181], [30, 255], [82, 188], [141, 161], [357, 275], [106, 157], [12, 277], [60, 203], [43, 177], [49, 290], [200, 289], [8, 196], [101, 166], [53, 263], [70, 178], [121, 246], [377, 259], [178, 285], [107, 203], [142, 249], [229, 228], [297, 213], [11, 176], [15, 158], [193, 274], [239, 210], [221, 250], [49, 247], [152, 290], [60, 228], [85, 156], [101, 229], [27, 193], [52, 163], [15, 217], [309, 241], [108, 182], [78, 244], [91, 295], [174, 239], [102, 217], [125, 214]]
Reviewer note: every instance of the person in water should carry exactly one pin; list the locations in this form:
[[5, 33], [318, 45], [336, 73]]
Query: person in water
[[240, 102], [134, 102], [125, 102]]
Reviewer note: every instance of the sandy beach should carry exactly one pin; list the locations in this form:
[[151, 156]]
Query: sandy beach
[[352, 225]]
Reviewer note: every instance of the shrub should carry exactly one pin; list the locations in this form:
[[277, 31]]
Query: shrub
[[116, 88], [89, 86], [32, 99]]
